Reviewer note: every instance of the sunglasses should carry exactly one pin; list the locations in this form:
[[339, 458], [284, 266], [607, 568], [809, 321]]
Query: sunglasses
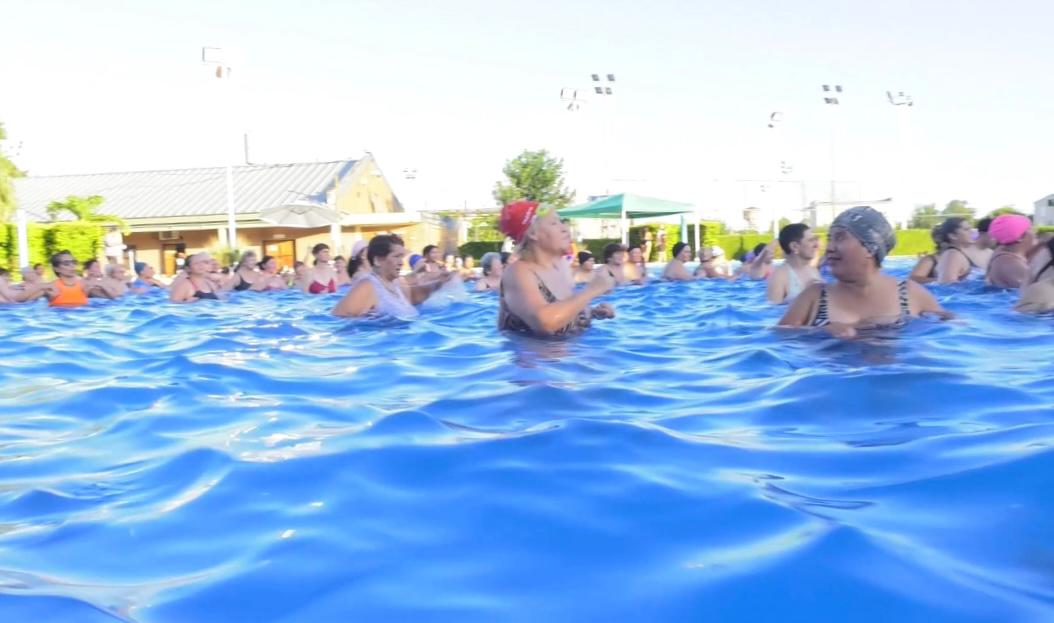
[[66, 263]]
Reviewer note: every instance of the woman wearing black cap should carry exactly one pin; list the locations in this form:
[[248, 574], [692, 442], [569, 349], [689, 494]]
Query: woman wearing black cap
[[676, 270], [586, 265]]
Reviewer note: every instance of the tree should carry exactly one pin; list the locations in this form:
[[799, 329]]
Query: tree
[[957, 207], [1004, 210], [536, 176], [924, 217], [8, 171], [485, 228], [84, 209]]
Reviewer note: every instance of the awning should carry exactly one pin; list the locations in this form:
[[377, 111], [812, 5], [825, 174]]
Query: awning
[[627, 206]]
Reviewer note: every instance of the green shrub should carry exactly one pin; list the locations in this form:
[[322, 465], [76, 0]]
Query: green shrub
[[913, 242], [477, 248], [596, 246], [83, 240]]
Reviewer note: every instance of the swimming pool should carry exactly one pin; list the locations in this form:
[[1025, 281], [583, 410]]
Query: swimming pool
[[260, 460]]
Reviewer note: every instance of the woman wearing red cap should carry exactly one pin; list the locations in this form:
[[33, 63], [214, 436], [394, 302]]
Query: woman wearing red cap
[[537, 294]]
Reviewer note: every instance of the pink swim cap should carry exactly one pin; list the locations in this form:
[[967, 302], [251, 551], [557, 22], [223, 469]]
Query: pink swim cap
[[1009, 228]]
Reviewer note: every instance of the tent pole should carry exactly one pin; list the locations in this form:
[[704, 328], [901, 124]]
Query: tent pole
[[625, 226], [684, 228], [695, 214]]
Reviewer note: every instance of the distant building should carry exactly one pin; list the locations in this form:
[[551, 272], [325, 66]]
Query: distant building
[[185, 210], [1044, 214]]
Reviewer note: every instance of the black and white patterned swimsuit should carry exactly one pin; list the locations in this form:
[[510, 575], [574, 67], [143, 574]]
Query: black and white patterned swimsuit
[[822, 319]]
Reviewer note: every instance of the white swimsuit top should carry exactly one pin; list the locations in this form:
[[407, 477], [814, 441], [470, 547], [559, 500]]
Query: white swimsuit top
[[391, 303]]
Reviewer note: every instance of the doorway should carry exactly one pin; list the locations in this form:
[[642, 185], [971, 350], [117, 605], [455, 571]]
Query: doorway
[[284, 251], [168, 257]]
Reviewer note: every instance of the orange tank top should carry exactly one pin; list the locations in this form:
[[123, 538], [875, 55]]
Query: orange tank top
[[69, 296]]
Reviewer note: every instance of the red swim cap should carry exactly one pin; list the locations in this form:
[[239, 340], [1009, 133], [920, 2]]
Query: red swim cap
[[516, 217]]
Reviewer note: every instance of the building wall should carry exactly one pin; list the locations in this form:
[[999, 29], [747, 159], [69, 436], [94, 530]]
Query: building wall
[[148, 246], [366, 192], [1044, 212]]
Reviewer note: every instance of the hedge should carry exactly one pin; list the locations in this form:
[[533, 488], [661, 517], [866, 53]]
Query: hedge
[[83, 240], [478, 248]]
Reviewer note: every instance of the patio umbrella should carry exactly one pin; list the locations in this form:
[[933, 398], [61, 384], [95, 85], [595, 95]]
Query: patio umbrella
[[301, 214]]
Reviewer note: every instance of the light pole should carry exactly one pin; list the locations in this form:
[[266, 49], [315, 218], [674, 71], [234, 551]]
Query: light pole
[[215, 58], [902, 102], [831, 93]]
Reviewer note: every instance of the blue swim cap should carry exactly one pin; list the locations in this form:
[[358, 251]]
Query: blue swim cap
[[415, 258], [139, 267]]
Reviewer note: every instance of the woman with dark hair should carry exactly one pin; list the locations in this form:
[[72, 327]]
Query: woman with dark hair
[[759, 267], [925, 270], [492, 272], [268, 278], [383, 290], [586, 265], [676, 269], [321, 277], [635, 269], [953, 263], [340, 271], [614, 256], [537, 295], [358, 267], [861, 296]]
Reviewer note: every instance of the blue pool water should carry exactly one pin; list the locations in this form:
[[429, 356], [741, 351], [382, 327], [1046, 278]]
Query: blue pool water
[[259, 460]]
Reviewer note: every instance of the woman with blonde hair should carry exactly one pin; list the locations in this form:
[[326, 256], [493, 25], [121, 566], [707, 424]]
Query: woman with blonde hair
[[537, 296]]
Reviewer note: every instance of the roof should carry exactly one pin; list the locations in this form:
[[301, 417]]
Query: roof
[[635, 206], [185, 192]]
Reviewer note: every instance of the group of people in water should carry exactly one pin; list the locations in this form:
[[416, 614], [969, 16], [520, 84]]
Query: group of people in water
[[545, 290]]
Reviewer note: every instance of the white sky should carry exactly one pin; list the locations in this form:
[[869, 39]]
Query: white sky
[[454, 88]]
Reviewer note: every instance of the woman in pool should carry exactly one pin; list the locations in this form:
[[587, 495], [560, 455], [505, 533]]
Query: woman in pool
[[196, 286], [383, 290], [321, 278], [862, 296], [760, 265], [615, 262], [676, 269], [492, 271], [340, 269], [1008, 266], [268, 278], [925, 270], [586, 265], [245, 275], [358, 267], [953, 263], [635, 268], [536, 295]]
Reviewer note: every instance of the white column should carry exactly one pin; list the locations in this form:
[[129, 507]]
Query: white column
[[684, 229], [23, 238], [232, 228], [335, 236], [695, 214]]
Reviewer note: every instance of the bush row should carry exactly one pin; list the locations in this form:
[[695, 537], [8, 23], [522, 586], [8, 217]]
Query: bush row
[[83, 240]]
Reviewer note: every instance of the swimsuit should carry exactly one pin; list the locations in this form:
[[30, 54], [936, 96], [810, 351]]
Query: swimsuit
[[393, 303], [318, 288], [972, 265], [200, 295], [242, 284], [1049, 264], [822, 319], [512, 322], [794, 285], [991, 262], [69, 296]]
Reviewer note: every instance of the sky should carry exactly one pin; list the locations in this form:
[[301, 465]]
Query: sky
[[453, 89]]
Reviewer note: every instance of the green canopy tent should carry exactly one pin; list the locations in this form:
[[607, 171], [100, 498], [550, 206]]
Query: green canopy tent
[[626, 206]]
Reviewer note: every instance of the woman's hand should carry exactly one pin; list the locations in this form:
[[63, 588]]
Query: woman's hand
[[603, 311]]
